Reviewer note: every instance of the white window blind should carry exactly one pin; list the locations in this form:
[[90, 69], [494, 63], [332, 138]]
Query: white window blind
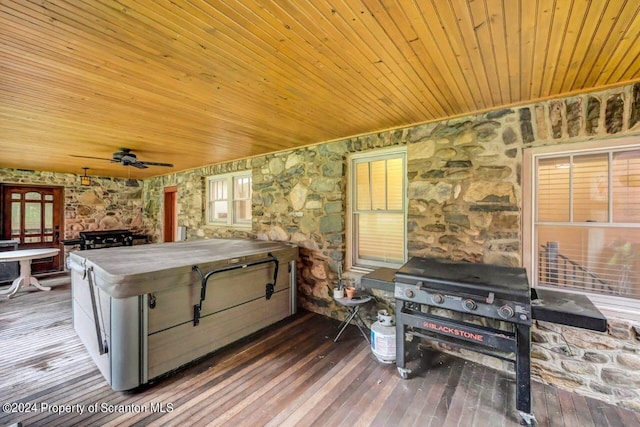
[[242, 200], [587, 222], [229, 199], [378, 214]]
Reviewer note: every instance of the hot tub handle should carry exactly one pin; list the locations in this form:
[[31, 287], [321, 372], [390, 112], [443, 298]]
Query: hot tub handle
[[204, 278], [271, 287]]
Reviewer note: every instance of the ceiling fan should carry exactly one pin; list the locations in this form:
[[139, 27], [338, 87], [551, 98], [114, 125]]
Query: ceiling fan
[[127, 158]]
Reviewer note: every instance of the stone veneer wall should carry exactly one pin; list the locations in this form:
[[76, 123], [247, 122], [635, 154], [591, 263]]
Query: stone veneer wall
[[465, 201], [106, 204]]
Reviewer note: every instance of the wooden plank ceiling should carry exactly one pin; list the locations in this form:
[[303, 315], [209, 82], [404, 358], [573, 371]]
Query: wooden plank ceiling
[[195, 82]]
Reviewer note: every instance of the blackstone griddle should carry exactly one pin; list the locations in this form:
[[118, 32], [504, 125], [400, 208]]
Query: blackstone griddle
[[479, 291]]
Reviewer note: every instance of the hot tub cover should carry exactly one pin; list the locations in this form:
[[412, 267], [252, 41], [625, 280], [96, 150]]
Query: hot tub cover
[[136, 270]]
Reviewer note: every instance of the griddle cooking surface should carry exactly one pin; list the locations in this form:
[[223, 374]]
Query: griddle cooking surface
[[511, 280]]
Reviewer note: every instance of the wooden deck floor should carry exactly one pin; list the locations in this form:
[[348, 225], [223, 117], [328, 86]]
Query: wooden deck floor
[[290, 374]]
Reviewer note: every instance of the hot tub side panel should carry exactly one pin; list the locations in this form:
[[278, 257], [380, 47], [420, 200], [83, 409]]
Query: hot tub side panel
[[120, 332], [235, 306], [84, 321]]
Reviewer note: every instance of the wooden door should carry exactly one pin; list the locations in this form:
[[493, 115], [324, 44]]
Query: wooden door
[[170, 208], [32, 216]]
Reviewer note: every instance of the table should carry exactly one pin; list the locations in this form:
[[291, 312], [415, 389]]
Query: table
[[25, 256], [353, 306]]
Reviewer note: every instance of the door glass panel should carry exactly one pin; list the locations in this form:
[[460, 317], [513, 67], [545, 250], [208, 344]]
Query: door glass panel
[[15, 218], [48, 238], [33, 239], [48, 218], [32, 218], [33, 196], [48, 197], [15, 196]]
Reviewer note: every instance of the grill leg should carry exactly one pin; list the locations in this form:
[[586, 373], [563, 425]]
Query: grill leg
[[400, 351], [523, 374]]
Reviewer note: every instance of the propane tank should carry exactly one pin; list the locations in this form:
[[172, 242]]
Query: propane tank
[[383, 338]]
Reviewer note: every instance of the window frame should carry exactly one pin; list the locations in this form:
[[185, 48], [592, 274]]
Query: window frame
[[627, 308], [351, 240], [230, 180]]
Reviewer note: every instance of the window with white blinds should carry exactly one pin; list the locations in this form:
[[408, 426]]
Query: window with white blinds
[[378, 237], [587, 221], [229, 199]]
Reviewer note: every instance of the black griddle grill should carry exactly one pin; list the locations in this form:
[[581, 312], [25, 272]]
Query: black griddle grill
[[482, 290], [102, 239]]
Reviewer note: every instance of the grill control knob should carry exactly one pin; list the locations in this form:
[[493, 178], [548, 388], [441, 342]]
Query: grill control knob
[[409, 293], [469, 305], [437, 299], [506, 312]]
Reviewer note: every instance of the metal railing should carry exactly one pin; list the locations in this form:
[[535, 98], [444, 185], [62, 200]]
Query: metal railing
[[558, 270]]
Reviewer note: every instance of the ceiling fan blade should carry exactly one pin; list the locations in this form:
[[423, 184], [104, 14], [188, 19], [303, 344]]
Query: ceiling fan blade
[[169, 165], [139, 165], [89, 157]]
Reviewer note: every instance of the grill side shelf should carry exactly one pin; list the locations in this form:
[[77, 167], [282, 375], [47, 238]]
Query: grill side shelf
[[566, 309]]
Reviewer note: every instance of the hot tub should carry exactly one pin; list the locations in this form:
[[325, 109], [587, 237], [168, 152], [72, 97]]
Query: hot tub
[[143, 311]]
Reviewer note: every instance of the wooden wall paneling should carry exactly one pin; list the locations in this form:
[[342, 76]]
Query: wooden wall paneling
[[459, 17], [432, 42], [299, 55], [415, 33], [482, 29], [317, 40], [543, 23], [456, 54], [556, 44], [576, 21], [623, 34], [494, 12], [610, 14], [197, 83], [437, 94], [376, 64], [512, 23], [374, 27]]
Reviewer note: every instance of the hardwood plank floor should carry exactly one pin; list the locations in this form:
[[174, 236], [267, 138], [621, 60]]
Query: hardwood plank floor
[[289, 374]]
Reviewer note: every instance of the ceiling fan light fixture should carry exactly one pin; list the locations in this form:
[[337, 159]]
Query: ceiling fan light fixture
[[130, 182], [84, 179]]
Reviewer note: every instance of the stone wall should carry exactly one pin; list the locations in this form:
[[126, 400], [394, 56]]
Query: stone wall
[[106, 204], [465, 201]]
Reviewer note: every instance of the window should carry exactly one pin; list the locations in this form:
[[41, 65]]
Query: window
[[377, 209], [585, 221], [229, 199]]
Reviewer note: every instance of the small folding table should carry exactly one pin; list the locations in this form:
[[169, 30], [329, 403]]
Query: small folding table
[[353, 306]]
